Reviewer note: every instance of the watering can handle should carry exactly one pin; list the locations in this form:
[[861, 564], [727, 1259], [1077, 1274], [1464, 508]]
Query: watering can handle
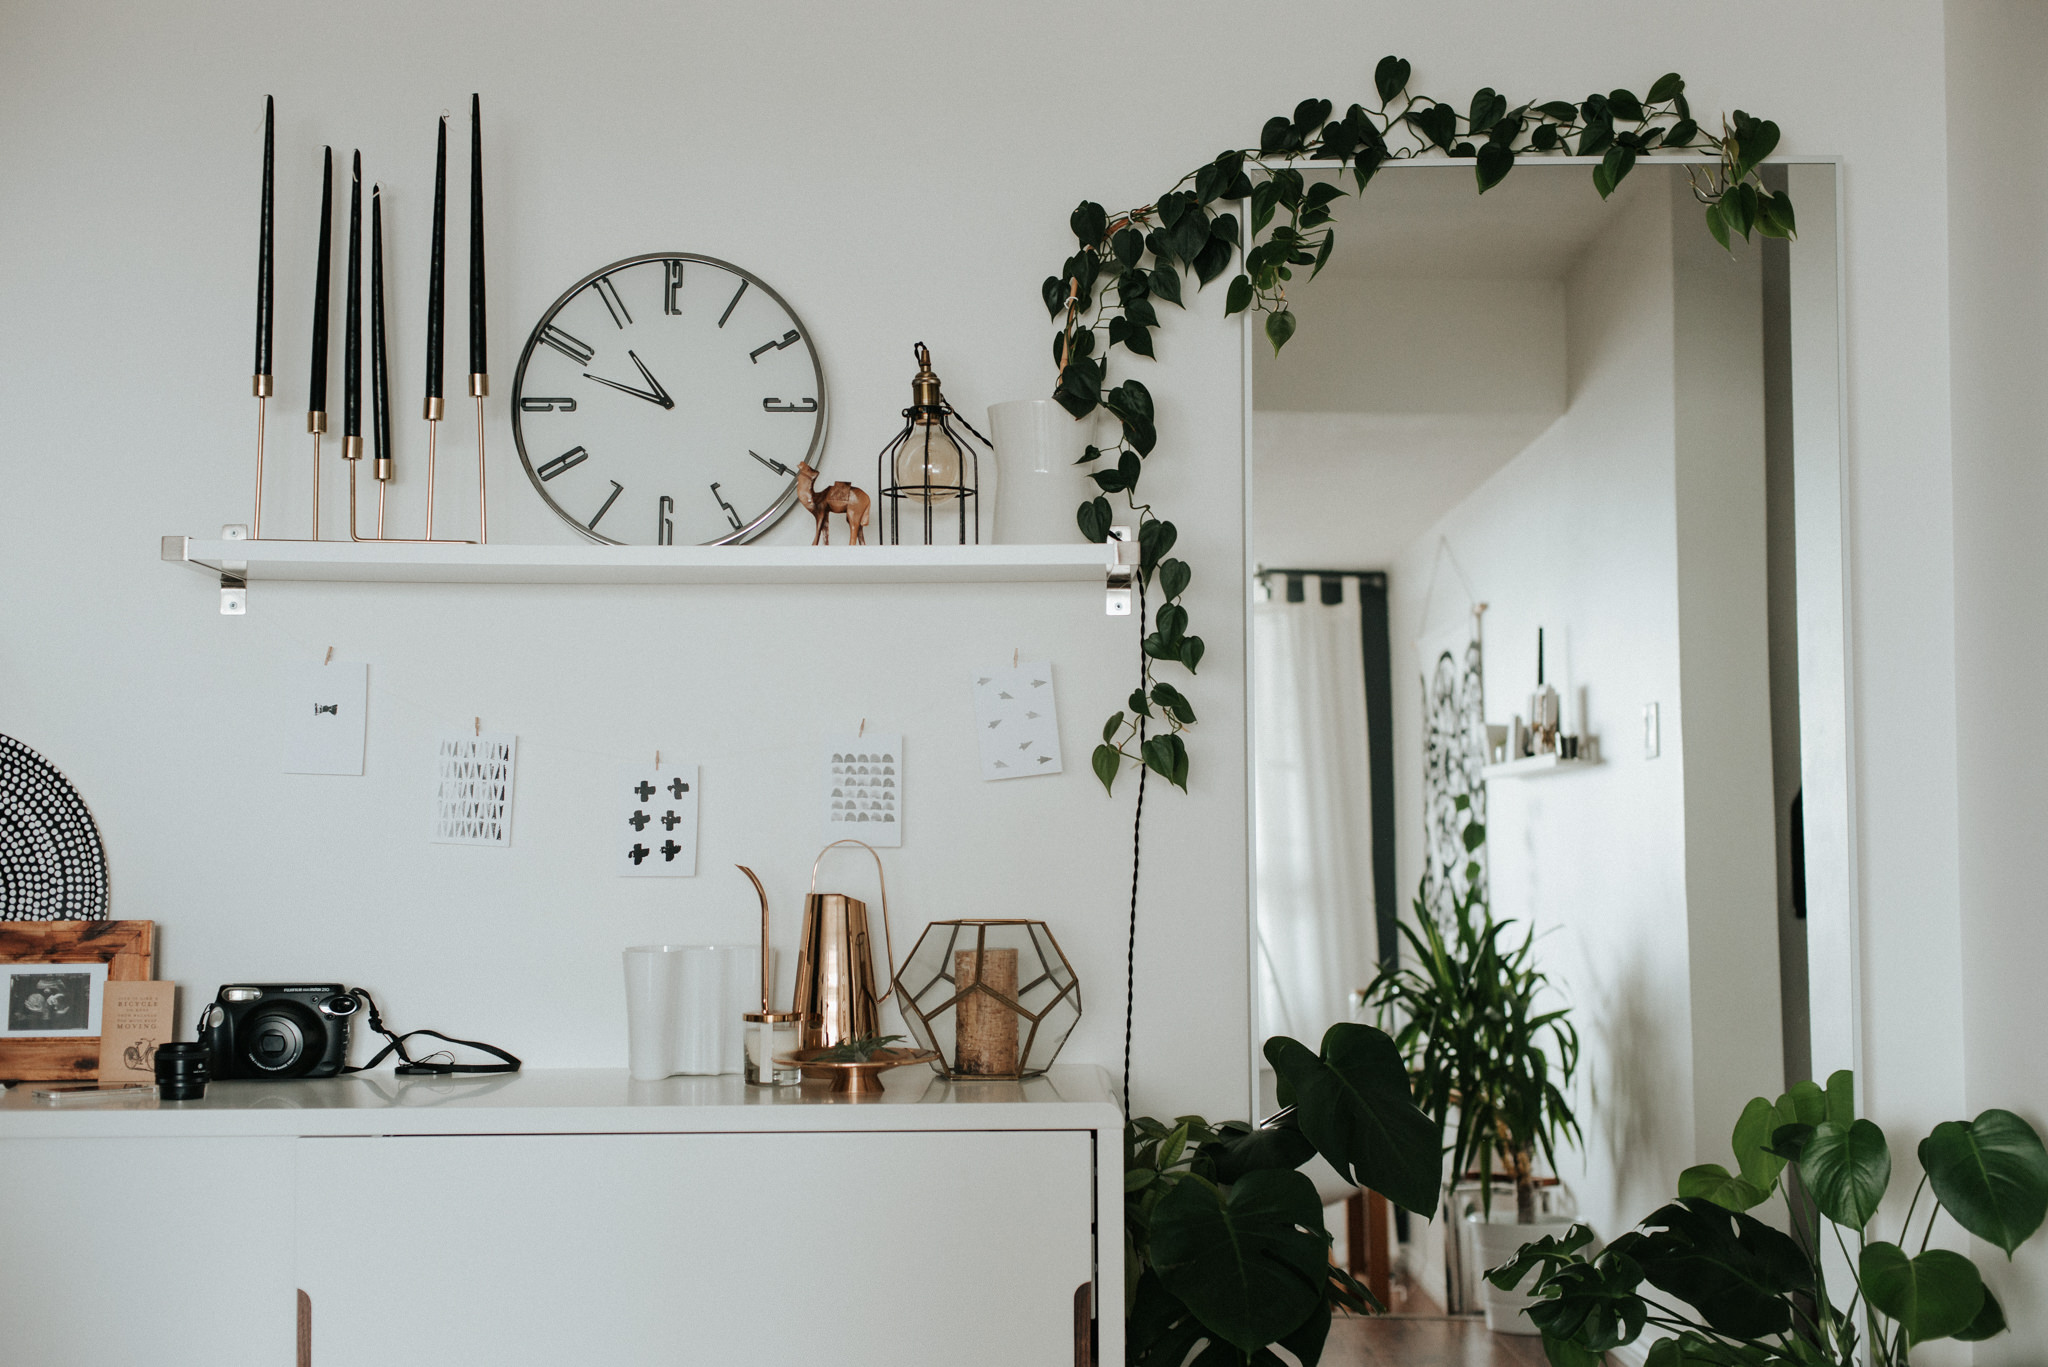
[[888, 936]]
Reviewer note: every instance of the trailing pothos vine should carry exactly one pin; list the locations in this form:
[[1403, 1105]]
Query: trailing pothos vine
[[1127, 263]]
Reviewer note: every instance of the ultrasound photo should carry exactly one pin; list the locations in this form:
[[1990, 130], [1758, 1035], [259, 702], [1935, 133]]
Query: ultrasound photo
[[48, 1000]]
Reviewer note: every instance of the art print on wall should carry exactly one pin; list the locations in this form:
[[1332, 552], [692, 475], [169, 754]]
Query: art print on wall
[[864, 789], [51, 1000], [473, 789], [1015, 722], [1454, 752], [655, 832], [324, 717]]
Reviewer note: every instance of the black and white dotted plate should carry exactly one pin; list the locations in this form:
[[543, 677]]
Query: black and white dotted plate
[[52, 865]]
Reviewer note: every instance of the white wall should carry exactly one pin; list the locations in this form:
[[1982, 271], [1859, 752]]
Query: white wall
[[1998, 272], [791, 137]]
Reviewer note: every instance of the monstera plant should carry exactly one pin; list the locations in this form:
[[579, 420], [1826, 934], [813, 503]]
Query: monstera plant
[[1725, 1289], [1225, 1251]]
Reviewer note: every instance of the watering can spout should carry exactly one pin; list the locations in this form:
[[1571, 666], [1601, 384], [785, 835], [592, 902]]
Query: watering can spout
[[766, 980]]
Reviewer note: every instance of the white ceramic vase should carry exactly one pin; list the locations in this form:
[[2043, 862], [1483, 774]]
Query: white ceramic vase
[[1037, 443], [683, 1005]]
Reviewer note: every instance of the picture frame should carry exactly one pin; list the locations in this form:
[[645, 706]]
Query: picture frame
[[44, 967]]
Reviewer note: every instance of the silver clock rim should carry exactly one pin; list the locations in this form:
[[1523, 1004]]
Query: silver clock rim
[[814, 457]]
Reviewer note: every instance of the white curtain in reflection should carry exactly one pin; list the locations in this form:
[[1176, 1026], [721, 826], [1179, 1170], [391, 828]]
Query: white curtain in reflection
[[1316, 925]]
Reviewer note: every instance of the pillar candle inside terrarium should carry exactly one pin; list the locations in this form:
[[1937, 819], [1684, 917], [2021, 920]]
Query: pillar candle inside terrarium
[[986, 1042]]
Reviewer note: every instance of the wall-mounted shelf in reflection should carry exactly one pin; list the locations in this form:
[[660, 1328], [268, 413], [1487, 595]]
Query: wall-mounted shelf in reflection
[[1536, 766], [239, 563]]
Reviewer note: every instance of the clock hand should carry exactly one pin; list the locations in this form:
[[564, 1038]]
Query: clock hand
[[652, 383], [659, 395]]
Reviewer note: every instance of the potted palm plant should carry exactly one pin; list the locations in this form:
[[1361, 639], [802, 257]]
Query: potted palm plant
[[1490, 1063]]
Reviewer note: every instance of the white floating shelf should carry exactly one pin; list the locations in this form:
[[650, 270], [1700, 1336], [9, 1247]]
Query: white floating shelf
[[452, 563], [1535, 766]]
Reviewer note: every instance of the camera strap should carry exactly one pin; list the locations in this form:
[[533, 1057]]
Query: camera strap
[[439, 1062]]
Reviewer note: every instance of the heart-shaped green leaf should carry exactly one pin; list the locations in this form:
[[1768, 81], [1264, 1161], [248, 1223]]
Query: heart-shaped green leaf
[[1354, 1104], [1245, 1262], [1279, 327], [1846, 1169], [1753, 1157], [1713, 1182], [1932, 1296], [1841, 1097], [1992, 1174], [1390, 78], [1990, 1321]]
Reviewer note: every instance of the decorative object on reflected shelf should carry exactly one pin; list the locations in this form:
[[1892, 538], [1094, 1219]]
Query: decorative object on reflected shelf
[[52, 864], [1747, 1291], [931, 474], [53, 982], [990, 998], [1539, 745], [770, 1033]]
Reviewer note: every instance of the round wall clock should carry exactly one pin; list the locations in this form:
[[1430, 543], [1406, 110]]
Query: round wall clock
[[667, 399]]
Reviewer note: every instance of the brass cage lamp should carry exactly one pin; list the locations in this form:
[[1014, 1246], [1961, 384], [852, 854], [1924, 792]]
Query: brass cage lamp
[[994, 999], [931, 471]]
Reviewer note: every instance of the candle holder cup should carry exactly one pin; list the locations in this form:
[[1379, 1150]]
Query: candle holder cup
[[995, 999]]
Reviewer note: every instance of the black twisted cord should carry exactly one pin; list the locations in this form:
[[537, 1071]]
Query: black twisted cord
[[1137, 829]]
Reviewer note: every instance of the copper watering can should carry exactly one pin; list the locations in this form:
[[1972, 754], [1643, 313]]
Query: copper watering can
[[835, 966]]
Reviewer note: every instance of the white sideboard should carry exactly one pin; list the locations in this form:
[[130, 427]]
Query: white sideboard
[[553, 1216]]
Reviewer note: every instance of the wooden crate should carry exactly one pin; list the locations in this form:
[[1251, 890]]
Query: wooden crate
[[127, 948]]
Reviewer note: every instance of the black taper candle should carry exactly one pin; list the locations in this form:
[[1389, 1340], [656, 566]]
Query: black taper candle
[[263, 277], [352, 353], [316, 388], [476, 237], [380, 372], [436, 270]]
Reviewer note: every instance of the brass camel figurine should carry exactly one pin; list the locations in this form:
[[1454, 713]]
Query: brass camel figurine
[[840, 497]]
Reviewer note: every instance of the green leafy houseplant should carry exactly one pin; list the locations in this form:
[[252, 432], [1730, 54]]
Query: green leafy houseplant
[[1467, 1020], [1126, 265], [1225, 1252], [1749, 1295]]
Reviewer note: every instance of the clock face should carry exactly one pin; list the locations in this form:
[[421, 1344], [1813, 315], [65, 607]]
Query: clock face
[[667, 400]]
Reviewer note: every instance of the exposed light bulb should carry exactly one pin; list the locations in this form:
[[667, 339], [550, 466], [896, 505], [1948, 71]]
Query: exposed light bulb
[[929, 459]]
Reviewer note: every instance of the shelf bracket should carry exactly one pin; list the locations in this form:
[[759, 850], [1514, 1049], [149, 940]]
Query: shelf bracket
[[234, 581], [1123, 569]]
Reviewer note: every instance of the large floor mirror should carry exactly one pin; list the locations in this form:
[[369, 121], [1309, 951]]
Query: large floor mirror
[[1545, 592]]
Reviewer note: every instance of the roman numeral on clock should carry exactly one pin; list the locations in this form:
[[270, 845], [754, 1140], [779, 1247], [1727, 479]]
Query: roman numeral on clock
[[609, 292], [568, 460], [567, 345]]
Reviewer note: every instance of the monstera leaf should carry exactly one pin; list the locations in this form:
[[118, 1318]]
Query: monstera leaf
[[1712, 1182], [1735, 1270], [1991, 1174], [1933, 1296], [1353, 1103], [1240, 1148], [1244, 1260]]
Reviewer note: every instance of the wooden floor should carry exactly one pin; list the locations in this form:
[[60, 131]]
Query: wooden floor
[[1426, 1341]]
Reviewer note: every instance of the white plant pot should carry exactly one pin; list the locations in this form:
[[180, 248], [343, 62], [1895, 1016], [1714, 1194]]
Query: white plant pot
[[1037, 444], [1497, 1241]]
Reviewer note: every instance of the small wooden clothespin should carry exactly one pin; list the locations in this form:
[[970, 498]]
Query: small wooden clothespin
[[479, 726], [1014, 654], [657, 761], [863, 729], [330, 656]]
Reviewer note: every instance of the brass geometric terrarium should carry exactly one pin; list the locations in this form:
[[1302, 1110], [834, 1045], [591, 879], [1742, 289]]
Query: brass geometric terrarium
[[996, 999]]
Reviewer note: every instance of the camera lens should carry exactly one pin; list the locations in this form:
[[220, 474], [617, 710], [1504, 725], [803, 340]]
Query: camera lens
[[181, 1071], [282, 1039]]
